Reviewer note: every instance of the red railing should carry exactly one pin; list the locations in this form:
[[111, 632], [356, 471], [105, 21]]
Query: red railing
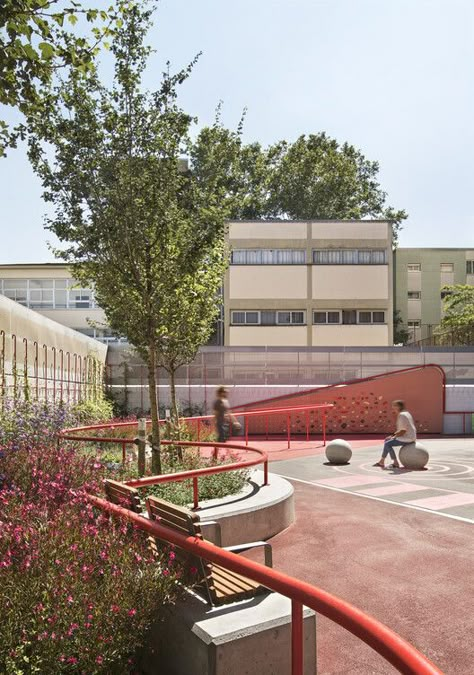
[[403, 656]]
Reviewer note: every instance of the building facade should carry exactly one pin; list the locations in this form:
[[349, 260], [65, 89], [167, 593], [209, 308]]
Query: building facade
[[420, 274], [309, 283], [50, 290]]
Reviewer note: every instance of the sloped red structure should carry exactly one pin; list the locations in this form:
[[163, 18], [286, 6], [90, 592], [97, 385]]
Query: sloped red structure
[[361, 406]]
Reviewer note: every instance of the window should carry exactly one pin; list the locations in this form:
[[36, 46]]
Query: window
[[469, 266], [349, 316], [48, 293], [414, 267], [414, 324], [345, 256], [265, 256], [447, 267], [327, 317], [414, 295], [378, 317], [268, 318], [369, 316], [365, 317]]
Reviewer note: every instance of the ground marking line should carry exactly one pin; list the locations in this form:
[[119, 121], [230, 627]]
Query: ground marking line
[[379, 499]]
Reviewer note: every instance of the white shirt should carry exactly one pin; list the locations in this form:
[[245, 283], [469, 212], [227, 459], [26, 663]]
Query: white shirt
[[405, 421]]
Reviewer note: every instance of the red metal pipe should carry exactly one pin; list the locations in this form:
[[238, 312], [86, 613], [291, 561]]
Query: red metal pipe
[[61, 374], [307, 426], [53, 349], [14, 368], [68, 358], [296, 638], [403, 656], [246, 427], [25, 363], [288, 429], [324, 428], [199, 429], [195, 493]]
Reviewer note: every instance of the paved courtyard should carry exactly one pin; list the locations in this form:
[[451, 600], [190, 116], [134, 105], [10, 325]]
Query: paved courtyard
[[397, 544]]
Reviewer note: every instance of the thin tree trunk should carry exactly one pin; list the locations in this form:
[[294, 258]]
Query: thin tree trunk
[[155, 424], [175, 412]]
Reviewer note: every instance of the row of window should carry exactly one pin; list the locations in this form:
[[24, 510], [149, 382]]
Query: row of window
[[284, 256], [298, 318], [444, 267], [48, 293]]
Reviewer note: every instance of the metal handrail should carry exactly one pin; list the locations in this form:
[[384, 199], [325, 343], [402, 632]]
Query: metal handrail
[[394, 649]]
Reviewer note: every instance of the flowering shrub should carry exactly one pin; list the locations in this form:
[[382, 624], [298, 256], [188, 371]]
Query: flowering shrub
[[78, 590]]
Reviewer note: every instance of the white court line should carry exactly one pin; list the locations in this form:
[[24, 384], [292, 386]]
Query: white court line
[[380, 499]]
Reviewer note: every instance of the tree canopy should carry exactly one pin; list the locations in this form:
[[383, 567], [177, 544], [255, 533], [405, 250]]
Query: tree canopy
[[458, 312], [37, 39]]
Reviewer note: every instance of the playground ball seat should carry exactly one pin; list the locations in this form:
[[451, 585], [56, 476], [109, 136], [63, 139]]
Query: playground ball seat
[[414, 456], [338, 451]]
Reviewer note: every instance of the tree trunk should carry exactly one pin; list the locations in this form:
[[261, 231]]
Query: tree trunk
[[175, 413], [155, 423]]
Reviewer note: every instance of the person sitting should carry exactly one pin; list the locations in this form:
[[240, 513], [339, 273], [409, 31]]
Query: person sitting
[[405, 434]]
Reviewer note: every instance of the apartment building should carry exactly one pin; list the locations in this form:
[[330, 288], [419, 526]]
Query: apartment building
[[50, 290], [309, 283], [420, 274]]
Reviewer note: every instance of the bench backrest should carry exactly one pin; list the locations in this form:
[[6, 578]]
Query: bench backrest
[[186, 522], [123, 495]]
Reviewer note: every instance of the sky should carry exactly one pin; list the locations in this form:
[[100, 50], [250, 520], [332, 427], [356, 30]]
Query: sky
[[395, 78]]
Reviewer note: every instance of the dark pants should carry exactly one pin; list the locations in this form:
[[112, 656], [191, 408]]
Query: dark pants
[[222, 431]]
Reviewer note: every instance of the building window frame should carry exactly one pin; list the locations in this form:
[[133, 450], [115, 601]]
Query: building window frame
[[350, 256], [414, 267], [414, 295], [268, 256], [446, 271], [297, 317], [469, 266], [44, 293]]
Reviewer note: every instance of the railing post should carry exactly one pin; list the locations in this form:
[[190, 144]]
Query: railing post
[[141, 445], [288, 430], [307, 425], [296, 638], [246, 427], [265, 472], [124, 453], [324, 428], [199, 430], [195, 493]]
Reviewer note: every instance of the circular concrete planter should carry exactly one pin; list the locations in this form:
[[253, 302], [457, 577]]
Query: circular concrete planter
[[257, 513]]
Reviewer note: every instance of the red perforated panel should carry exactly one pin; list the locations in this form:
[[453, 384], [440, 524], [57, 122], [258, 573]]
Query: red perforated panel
[[362, 406]]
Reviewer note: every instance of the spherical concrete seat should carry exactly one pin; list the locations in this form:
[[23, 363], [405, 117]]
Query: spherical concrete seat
[[338, 451], [414, 456]]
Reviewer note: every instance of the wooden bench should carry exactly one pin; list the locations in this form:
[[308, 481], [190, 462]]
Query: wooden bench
[[215, 583], [123, 495]]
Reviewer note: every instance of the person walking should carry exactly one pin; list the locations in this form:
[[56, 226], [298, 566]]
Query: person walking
[[404, 434], [224, 419]]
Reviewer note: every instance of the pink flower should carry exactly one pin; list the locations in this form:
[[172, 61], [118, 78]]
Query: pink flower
[[99, 659], [166, 572], [132, 612], [115, 608], [70, 599]]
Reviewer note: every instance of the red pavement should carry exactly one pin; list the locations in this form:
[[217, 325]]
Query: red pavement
[[412, 571]]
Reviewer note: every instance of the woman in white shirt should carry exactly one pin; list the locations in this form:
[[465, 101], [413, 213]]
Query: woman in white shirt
[[405, 433]]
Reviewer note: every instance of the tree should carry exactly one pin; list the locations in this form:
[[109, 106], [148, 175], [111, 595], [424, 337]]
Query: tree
[[36, 40], [458, 313], [313, 178], [145, 230]]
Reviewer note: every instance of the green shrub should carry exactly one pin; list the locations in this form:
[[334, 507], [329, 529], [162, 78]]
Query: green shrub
[[88, 412]]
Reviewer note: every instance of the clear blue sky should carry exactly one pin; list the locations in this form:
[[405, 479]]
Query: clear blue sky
[[393, 77]]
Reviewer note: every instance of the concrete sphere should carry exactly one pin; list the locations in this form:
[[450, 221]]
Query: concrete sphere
[[414, 456], [338, 451]]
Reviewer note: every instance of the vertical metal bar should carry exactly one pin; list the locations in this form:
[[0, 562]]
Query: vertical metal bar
[[124, 453], [36, 369], [45, 371], [307, 425], [14, 367], [195, 493], [68, 377], [205, 387], [288, 430], [324, 428], [75, 377], [79, 397], [141, 389], [296, 638], [199, 430], [266, 427], [25, 367], [53, 349], [246, 427], [61, 374], [2, 368], [265, 472]]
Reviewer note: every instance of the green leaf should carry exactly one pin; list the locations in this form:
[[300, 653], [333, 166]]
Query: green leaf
[[47, 50]]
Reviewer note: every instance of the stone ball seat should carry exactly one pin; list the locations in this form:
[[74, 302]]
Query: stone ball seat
[[338, 451], [414, 456]]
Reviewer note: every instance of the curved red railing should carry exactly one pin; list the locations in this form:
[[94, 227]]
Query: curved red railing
[[403, 656]]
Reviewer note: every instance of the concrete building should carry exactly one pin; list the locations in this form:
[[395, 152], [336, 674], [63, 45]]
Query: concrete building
[[50, 290], [420, 274], [309, 283]]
